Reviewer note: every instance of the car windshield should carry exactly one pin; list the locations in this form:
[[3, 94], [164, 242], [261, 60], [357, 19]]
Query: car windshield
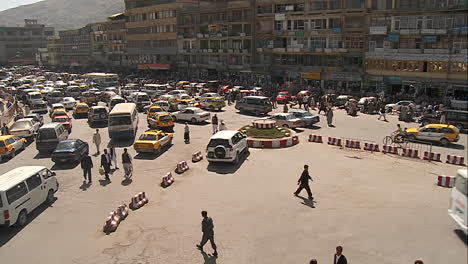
[[21, 125], [218, 141], [46, 134], [283, 93], [148, 137], [63, 119], [64, 145], [100, 110], [303, 114], [120, 120], [155, 110], [165, 118]]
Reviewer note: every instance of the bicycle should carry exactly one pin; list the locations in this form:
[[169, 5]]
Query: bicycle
[[401, 140]]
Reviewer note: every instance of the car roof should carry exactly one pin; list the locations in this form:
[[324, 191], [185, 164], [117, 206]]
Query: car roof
[[16, 175], [440, 126], [153, 132], [98, 106], [256, 97], [225, 134], [192, 108], [6, 137], [50, 125], [282, 114]]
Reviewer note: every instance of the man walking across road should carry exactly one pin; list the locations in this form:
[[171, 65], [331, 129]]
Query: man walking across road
[[339, 258], [127, 164], [113, 155], [106, 163], [214, 123], [303, 182], [87, 165], [208, 233], [97, 140]]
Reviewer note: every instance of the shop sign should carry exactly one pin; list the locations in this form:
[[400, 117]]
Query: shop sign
[[342, 76], [430, 39], [311, 75], [378, 30], [393, 80], [280, 17], [394, 37], [293, 74]]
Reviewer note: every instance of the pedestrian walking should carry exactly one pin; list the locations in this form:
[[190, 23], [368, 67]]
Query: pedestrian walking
[[305, 102], [285, 108], [186, 133], [303, 182], [339, 258], [127, 164], [208, 233], [5, 130], [222, 126], [443, 118], [113, 155], [87, 165], [329, 116], [382, 113], [214, 123], [106, 164], [97, 140], [273, 102], [229, 98]]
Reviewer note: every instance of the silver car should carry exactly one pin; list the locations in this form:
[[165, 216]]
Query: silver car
[[287, 120]]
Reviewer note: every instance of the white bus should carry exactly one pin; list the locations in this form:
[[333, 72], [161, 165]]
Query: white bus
[[123, 121], [458, 202], [103, 80]]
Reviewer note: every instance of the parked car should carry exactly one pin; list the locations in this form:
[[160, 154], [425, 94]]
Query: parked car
[[153, 141], [442, 133], [306, 116], [65, 121], [98, 114], [287, 120], [69, 150], [458, 118], [10, 145], [397, 106], [283, 97], [36, 118], [226, 146], [192, 114], [24, 128], [69, 103], [254, 104]]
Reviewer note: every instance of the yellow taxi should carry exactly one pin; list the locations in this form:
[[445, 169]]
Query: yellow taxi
[[182, 83], [162, 120], [10, 144], [153, 110], [442, 133], [58, 112], [212, 103], [153, 141], [81, 110]]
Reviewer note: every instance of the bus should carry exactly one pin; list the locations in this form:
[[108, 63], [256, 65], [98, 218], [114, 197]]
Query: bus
[[103, 80], [123, 121], [458, 202]]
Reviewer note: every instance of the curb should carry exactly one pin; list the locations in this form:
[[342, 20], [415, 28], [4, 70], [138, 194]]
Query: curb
[[273, 143]]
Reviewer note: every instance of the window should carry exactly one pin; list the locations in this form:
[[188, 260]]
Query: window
[[33, 182], [278, 25], [16, 192], [264, 9], [446, 130], [354, 42]]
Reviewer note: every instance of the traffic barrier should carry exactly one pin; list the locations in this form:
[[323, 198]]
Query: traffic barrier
[[354, 144], [197, 156], [167, 180], [122, 211], [138, 200], [371, 147], [315, 138], [181, 167], [112, 222], [334, 141], [410, 153], [457, 160], [431, 156], [445, 181], [390, 150]]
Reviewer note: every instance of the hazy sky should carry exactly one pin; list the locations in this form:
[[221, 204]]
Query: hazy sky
[[6, 4]]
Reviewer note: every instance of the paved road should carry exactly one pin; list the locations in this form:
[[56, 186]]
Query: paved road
[[380, 208]]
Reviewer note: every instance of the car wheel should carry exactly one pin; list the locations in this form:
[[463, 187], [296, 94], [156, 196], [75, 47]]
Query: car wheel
[[22, 218], [236, 160], [50, 197], [411, 137], [444, 142], [193, 120]]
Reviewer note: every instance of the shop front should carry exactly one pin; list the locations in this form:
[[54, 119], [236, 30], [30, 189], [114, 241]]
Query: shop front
[[342, 82]]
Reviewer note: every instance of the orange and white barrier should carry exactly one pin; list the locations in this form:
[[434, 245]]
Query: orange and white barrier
[[431, 156], [197, 156], [457, 160], [112, 222], [371, 147], [334, 141], [181, 167], [138, 200], [445, 181], [167, 180], [390, 150], [315, 138], [122, 211], [410, 153], [354, 144]]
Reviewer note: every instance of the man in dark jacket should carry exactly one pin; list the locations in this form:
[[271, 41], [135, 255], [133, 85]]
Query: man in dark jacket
[[208, 233], [87, 165], [303, 182], [106, 163], [339, 258]]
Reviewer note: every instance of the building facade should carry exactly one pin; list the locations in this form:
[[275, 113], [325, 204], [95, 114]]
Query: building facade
[[75, 47], [19, 45], [117, 40]]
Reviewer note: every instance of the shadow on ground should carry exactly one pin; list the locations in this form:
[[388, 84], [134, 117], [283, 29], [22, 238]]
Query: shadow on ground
[[227, 168]]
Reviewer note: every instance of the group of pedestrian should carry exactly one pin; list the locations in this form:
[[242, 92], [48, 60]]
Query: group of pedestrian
[[217, 126]]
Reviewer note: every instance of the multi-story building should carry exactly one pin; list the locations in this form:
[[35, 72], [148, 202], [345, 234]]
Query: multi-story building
[[117, 40], [151, 33], [418, 49], [216, 37], [19, 45], [76, 47]]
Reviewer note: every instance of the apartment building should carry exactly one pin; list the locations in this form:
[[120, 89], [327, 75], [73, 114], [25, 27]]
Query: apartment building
[[117, 40], [75, 47], [19, 45], [418, 49], [319, 44], [151, 33], [216, 37]]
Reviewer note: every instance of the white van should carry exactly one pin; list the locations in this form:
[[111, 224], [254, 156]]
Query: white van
[[115, 100], [458, 202], [49, 136], [22, 190], [123, 121]]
